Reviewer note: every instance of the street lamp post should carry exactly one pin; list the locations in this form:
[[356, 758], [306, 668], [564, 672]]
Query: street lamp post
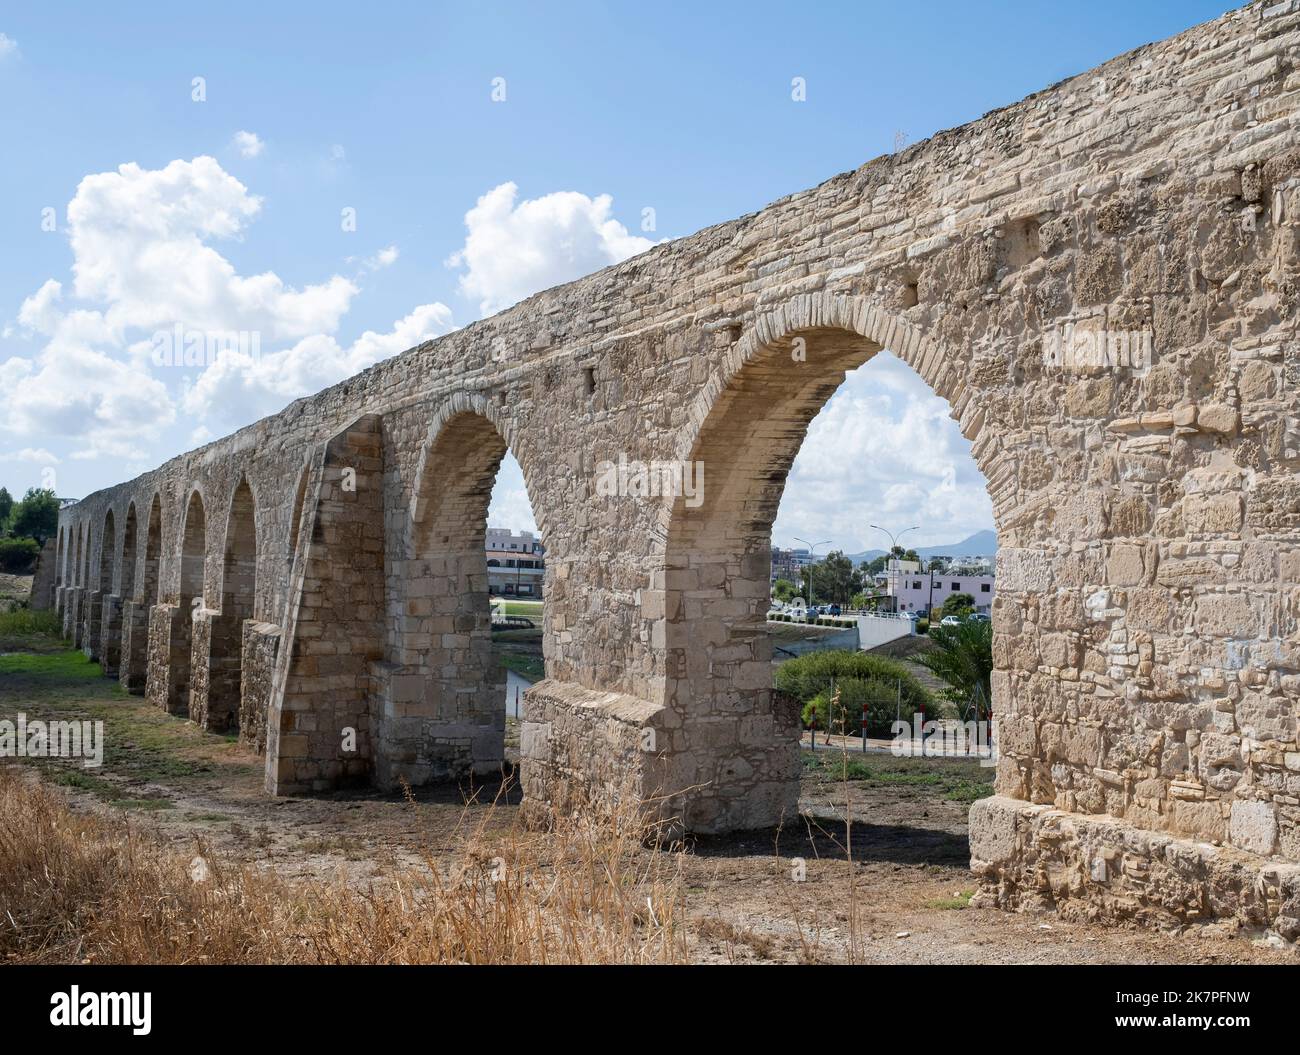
[[893, 545], [812, 548]]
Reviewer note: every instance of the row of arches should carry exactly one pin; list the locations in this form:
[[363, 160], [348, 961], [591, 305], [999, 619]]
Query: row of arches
[[386, 619], [114, 616]]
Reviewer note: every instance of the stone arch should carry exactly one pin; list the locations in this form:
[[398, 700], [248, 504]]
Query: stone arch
[[171, 634], [107, 553], [130, 551], [99, 598], [151, 573], [141, 556], [238, 604], [83, 552], [739, 741], [445, 673], [193, 554]]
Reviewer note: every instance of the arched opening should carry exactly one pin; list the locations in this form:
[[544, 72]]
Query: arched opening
[[150, 584], [453, 714], [740, 742], [516, 574], [238, 601], [194, 541], [99, 599], [141, 551], [130, 553], [107, 551]]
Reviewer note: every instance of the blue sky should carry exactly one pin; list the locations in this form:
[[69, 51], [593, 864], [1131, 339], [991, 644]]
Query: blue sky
[[388, 110]]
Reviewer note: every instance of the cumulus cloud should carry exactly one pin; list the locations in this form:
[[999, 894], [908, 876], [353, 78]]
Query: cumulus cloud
[[240, 385], [144, 267], [514, 250], [8, 47], [883, 450], [248, 144], [30, 454], [139, 240]]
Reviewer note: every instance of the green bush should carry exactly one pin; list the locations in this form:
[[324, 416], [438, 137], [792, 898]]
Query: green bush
[[18, 555], [883, 687], [923, 626]]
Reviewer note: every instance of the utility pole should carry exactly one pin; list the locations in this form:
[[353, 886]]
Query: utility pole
[[893, 545]]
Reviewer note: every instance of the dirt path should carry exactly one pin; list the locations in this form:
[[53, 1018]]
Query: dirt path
[[902, 897]]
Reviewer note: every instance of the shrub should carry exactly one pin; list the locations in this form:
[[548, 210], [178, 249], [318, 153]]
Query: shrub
[[923, 626], [18, 555], [884, 687]]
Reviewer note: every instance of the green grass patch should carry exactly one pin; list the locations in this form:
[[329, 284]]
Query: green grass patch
[[953, 779], [531, 667], [531, 609], [25, 630], [142, 745]]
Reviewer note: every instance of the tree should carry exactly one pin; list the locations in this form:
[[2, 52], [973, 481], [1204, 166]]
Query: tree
[[6, 507], [962, 658], [36, 516], [835, 578], [784, 590], [961, 604]]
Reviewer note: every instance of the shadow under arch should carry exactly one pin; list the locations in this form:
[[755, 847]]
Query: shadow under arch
[[442, 698], [739, 751]]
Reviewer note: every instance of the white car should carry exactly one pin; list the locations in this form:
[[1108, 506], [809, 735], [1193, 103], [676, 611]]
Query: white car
[[950, 620]]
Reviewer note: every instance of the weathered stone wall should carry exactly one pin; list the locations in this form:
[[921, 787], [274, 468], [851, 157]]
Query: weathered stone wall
[[261, 647], [1102, 282]]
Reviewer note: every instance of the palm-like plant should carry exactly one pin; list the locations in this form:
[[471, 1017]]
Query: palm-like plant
[[962, 658]]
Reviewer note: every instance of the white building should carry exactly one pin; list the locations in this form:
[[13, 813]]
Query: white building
[[516, 563], [919, 591]]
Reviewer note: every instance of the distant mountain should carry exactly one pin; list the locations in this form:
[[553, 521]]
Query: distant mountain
[[980, 544]]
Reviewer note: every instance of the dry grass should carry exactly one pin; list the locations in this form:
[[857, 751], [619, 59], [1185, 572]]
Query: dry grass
[[88, 888]]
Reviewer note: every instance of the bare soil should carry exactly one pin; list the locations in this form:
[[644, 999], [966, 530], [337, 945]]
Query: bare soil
[[891, 886]]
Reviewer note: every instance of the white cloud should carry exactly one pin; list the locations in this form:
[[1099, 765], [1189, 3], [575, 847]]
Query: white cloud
[[142, 265], [8, 47], [30, 454], [139, 244], [248, 144], [239, 387], [512, 251], [883, 450]]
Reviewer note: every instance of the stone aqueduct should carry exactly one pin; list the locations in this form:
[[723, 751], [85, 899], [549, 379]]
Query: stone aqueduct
[[323, 570]]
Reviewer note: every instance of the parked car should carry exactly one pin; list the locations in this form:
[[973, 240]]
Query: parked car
[[980, 617], [950, 620], [834, 610]]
